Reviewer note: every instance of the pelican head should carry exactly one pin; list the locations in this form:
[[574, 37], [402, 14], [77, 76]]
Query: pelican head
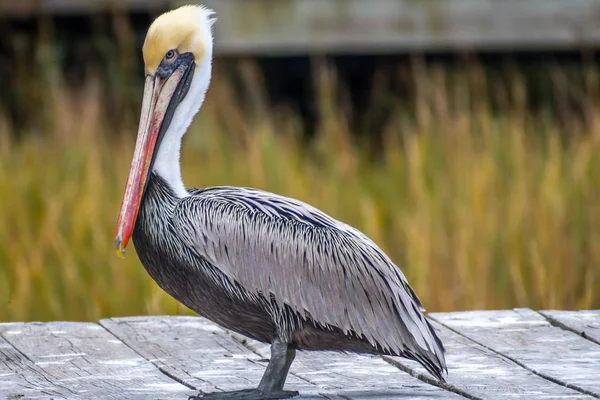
[[177, 58]]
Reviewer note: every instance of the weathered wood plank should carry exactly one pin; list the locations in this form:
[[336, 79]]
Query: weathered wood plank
[[196, 352], [355, 376], [375, 26], [21, 378], [206, 357], [484, 374], [389, 26], [493, 357], [585, 322], [527, 338], [89, 362]]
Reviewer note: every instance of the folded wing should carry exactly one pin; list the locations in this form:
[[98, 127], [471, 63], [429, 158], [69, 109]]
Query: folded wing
[[318, 266]]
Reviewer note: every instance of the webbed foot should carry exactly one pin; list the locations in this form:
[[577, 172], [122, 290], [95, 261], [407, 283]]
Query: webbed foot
[[246, 394], [271, 383]]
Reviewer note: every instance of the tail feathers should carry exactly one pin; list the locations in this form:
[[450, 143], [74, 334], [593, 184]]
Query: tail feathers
[[433, 368], [425, 347], [431, 363], [440, 350], [433, 359]]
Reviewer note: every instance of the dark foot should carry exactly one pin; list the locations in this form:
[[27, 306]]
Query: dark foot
[[246, 394], [281, 394]]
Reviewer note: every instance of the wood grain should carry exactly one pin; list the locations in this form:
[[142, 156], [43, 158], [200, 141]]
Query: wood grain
[[197, 352], [21, 378], [355, 376], [527, 338], [86, 361], [208, 358], [507, 354], [484, 374], [585, 323]]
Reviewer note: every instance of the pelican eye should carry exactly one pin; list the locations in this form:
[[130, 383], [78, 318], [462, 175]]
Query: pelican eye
[[170, 56]]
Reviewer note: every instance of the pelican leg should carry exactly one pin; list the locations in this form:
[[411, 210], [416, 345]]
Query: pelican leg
[[271, 383], [274, 377]]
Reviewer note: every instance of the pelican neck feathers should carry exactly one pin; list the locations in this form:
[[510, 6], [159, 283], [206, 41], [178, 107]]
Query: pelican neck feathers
[[186, 29]]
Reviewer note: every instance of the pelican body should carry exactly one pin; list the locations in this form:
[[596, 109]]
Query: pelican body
[[265, 266]]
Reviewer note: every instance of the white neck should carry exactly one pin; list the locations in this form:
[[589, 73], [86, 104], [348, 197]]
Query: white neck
[[166, 163]]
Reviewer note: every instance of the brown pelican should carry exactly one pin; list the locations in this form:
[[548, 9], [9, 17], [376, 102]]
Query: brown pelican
[[265, 266]]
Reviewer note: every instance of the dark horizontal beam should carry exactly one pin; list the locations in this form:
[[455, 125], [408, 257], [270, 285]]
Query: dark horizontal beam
[[28, 8]]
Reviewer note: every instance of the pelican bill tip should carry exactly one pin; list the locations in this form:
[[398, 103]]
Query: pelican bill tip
[[120, 253], [119, 248]]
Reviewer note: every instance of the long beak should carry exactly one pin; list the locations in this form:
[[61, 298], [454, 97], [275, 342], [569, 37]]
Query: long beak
[[161, 96]]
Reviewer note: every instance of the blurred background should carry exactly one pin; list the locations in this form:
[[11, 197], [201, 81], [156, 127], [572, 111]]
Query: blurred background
[[462, 136]]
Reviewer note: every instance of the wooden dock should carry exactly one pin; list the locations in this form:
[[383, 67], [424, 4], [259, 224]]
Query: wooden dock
[[491, 355]]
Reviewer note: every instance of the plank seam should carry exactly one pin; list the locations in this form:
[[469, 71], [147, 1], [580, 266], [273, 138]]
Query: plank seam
[[424, 378], [35, 368], [158, 367], [522, 365], [564, 327]]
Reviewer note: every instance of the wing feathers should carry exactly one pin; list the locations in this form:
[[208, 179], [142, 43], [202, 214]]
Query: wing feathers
[[310, 262]]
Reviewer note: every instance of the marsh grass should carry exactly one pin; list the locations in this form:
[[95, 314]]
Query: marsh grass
[[482, 207]]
